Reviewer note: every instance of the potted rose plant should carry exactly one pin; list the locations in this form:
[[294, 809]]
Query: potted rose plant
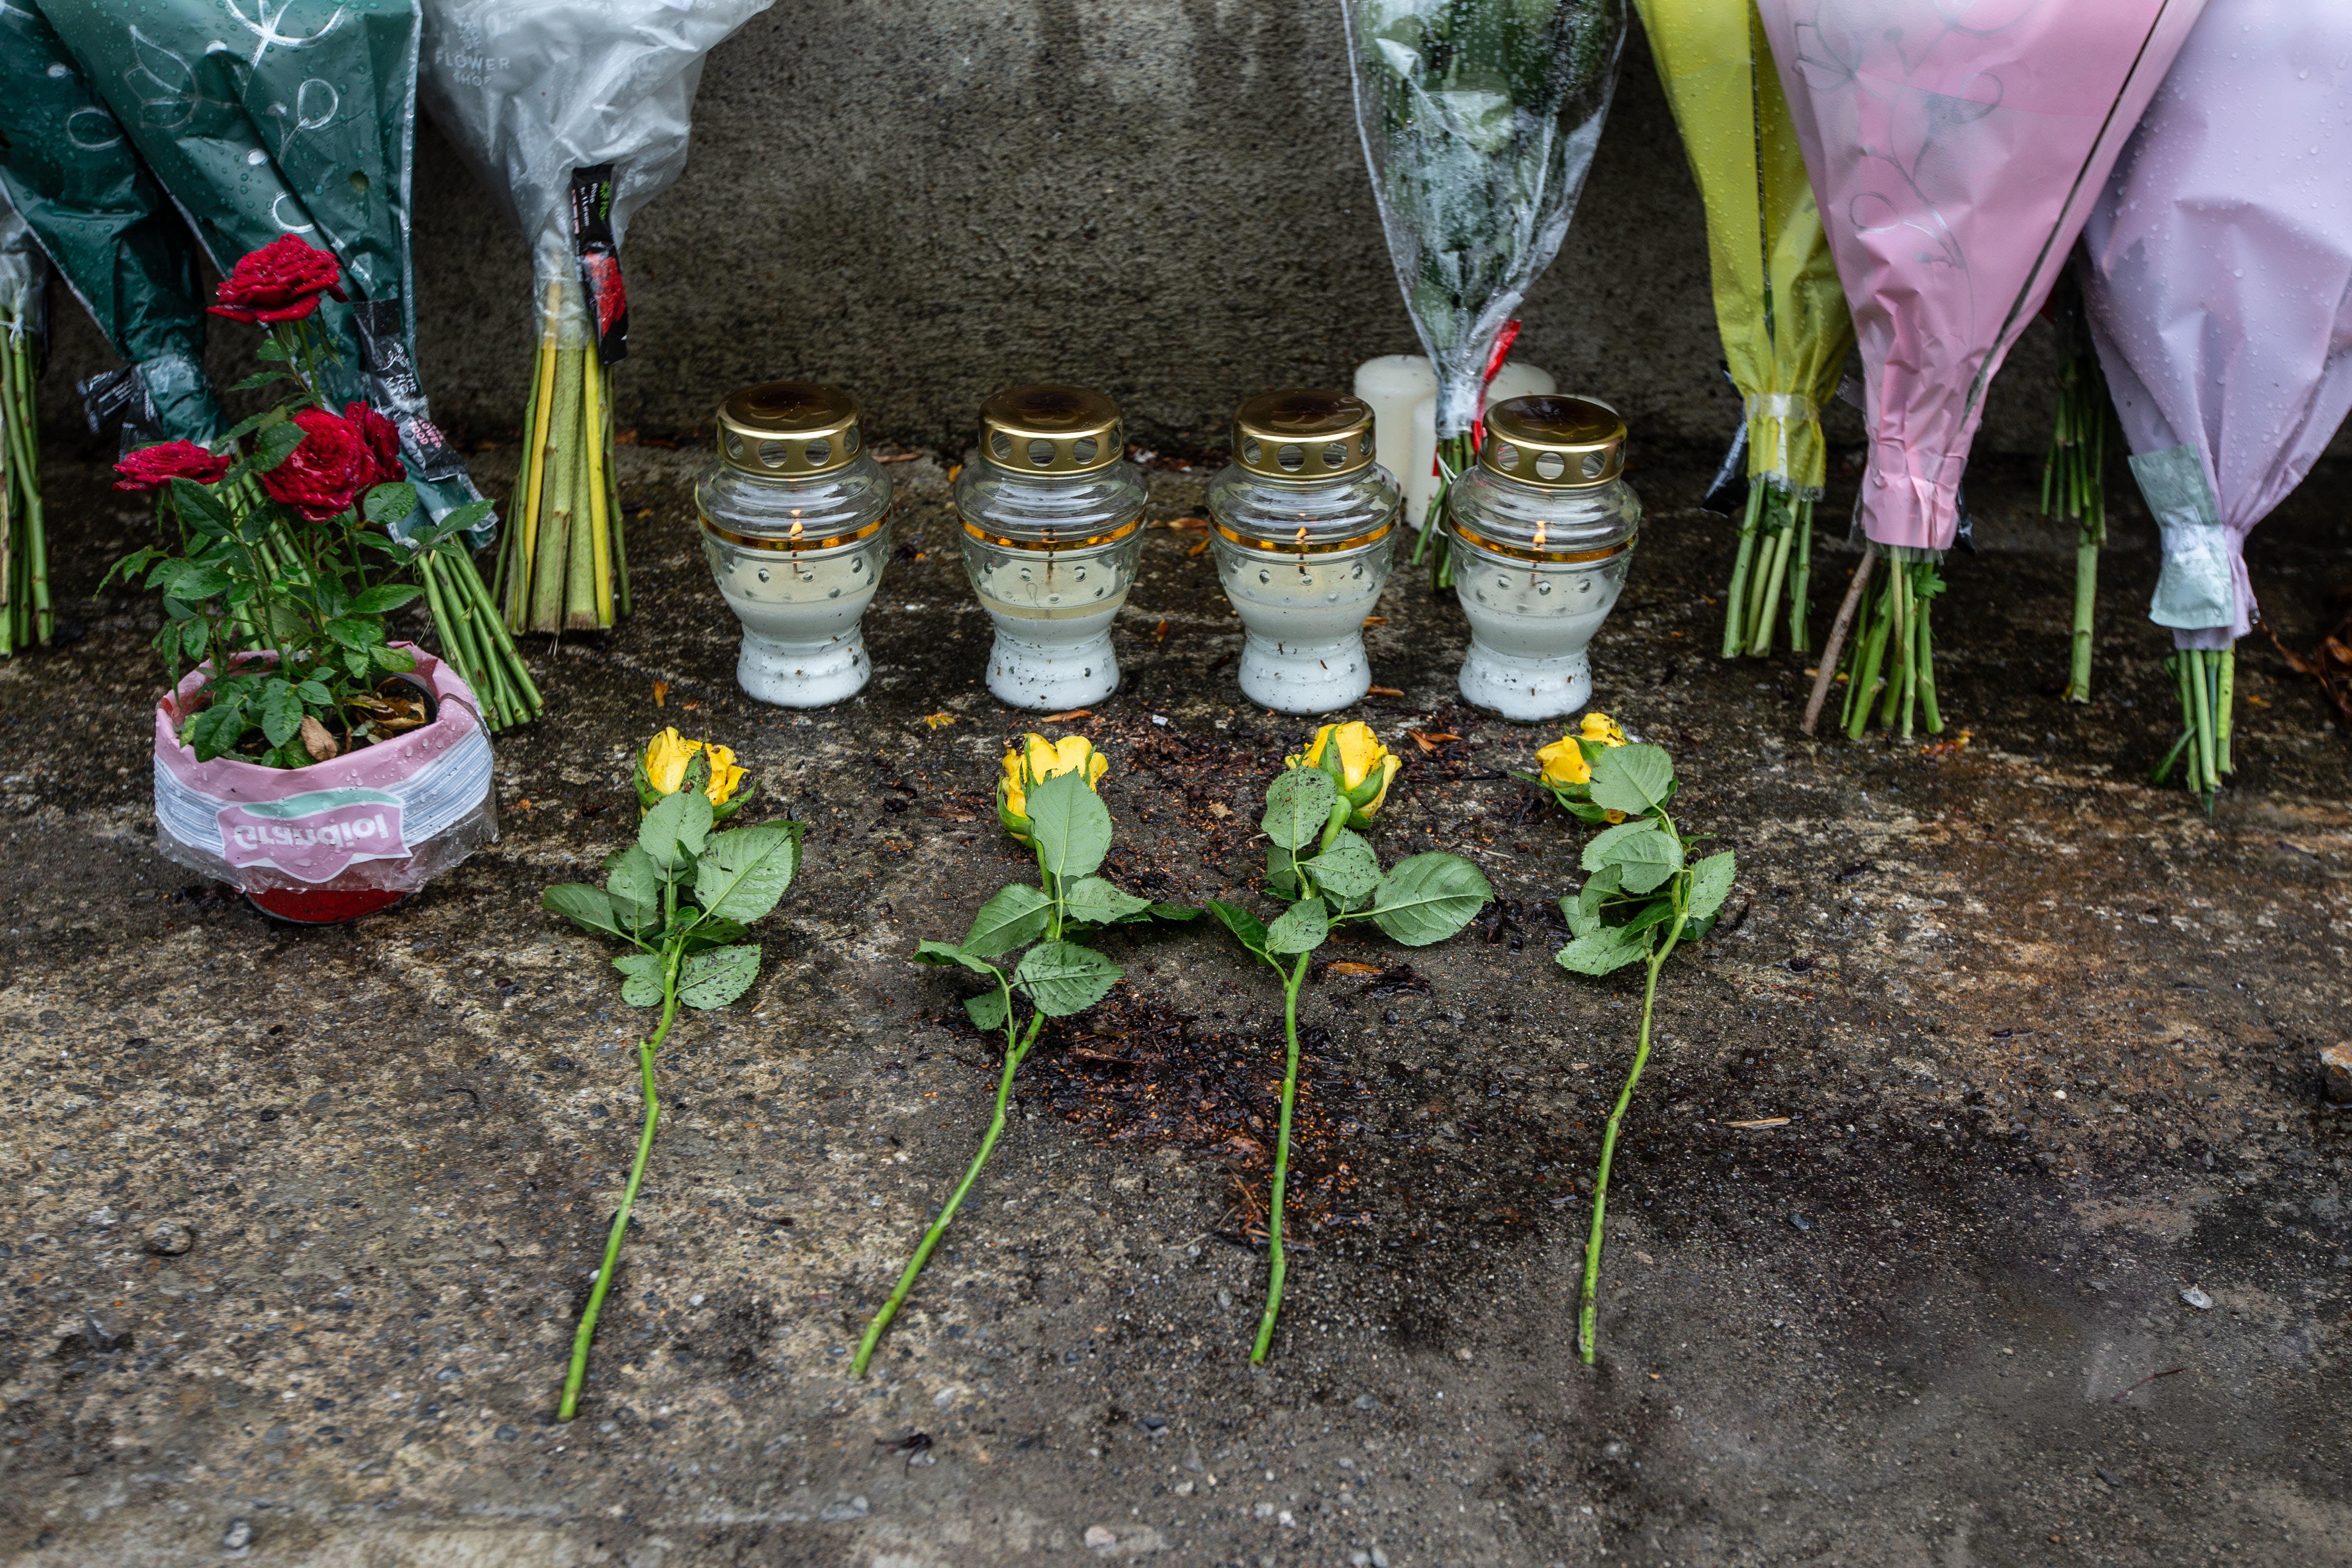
[[302, 755]]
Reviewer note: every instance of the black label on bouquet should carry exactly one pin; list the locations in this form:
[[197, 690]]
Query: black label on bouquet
[[599, 260], [424, 452]]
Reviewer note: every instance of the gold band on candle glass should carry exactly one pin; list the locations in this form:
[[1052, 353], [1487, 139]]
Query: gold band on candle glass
[[1536, 552], [1051, 430], [794, 539], [1042, 546], [1553, 442], [789, 430], [1302, 545], [1303, 435]]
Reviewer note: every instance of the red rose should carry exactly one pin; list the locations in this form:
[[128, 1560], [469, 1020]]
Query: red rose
[[323, 478], [279, 282], [152, 467], [381, 440]]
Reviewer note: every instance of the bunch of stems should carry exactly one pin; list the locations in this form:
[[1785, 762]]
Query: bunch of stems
[[474, 641], [2074, 472], [2206, 680], [26, 616], [1776, 549], [1890, 663], [1454, 455], [564, 567]]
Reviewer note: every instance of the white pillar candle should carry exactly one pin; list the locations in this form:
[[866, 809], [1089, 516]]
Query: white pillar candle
[[1516, 378], [1393, 384]]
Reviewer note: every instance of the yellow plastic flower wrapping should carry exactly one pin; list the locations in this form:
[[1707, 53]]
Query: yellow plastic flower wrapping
[[668, 755], [1777, 302], [1036, 760]]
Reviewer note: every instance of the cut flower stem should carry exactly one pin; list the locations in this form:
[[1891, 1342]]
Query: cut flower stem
[[1276, 1266]]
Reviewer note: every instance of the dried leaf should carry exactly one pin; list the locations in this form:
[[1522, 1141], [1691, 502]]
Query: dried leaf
[[1355, 968], [1074, 713], [661, 694], [317, 740], [1382, 692], [939, 719], [1428, 742], [1376, 620]]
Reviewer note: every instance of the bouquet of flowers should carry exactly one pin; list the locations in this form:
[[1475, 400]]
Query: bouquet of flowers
[[573, 114], [1479, 119], [1954, 159], [2218, 277], [1776, 304], [91, 204], [304, 129], [25, 617]]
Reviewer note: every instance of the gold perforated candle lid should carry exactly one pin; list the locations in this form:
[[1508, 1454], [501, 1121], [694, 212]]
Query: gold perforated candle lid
[[1051, 430], [1554, 441], [1303, 434], [789, 430]]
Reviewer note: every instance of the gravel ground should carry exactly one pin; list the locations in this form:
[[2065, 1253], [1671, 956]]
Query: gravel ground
[[2046, 1264]]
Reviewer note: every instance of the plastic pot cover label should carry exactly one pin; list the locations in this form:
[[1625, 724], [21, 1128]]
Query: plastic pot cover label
[[313, 836]]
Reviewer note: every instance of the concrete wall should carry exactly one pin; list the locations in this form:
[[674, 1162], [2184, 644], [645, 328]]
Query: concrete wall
[[923, 200]]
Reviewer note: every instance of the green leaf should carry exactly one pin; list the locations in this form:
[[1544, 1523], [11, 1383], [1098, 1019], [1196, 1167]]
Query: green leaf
[[1348, 869], [947, 954], [1426, 898], [356, 632], [742, 873], [389, 504], [199, 506], [986, 1010], [1282, 871], [1015, 917], [384, 598], [1634, 779], [215, 730], [714, 979], [1298, 806], [584, 906], [1711, 881], [195, 584], [1242, 924], [1063, 978], [635, 886], [707, 933], [1299, 930], [1604, 951], [1070, 824], [674, 832], [641, 982], [1093, 899], [1644, 854], [281, 711], [273, 445], [1174, 912]]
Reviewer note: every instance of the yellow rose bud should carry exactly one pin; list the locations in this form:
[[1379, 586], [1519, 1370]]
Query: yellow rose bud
[[668, 755], [1365, 765], [1563, 762], [1037, 760], [1600, 730]]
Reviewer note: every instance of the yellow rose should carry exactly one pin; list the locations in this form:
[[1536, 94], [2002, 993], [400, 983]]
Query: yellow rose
[[1600, 728], [667, 753], [1563, 762], [1365, 767], [1037, 760]]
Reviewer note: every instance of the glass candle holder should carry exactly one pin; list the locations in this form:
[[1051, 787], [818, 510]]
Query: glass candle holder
[[1543, 529], [795, 525], [1304, 525], [1053, 524]]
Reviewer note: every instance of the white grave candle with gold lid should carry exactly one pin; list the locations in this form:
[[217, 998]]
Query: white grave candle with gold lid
[[795, 524], [1542, 529], [1053, 523], [1304, 524]]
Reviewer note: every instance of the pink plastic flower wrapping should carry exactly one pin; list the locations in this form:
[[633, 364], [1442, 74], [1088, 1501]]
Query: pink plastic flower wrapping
[[1955, 147], [2218, 280]]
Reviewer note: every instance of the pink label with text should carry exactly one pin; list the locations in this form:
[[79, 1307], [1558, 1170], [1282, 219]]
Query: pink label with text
[[313, 836]]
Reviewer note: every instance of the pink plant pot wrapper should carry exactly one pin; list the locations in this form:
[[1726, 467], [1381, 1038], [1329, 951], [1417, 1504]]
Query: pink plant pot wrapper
[[387, 817], [1954, 151], [2218, 279]]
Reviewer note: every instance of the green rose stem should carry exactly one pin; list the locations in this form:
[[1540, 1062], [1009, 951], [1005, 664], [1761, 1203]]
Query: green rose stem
[[1014, 1053], [1455, 454], [587, 1332], [1588, 1309], [1276, 1268]]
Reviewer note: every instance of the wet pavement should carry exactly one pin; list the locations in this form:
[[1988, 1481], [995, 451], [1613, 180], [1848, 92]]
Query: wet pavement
[[2033, 1247]]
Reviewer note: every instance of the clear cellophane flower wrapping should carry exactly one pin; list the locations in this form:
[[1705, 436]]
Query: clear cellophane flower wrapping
[[1479, 120]]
